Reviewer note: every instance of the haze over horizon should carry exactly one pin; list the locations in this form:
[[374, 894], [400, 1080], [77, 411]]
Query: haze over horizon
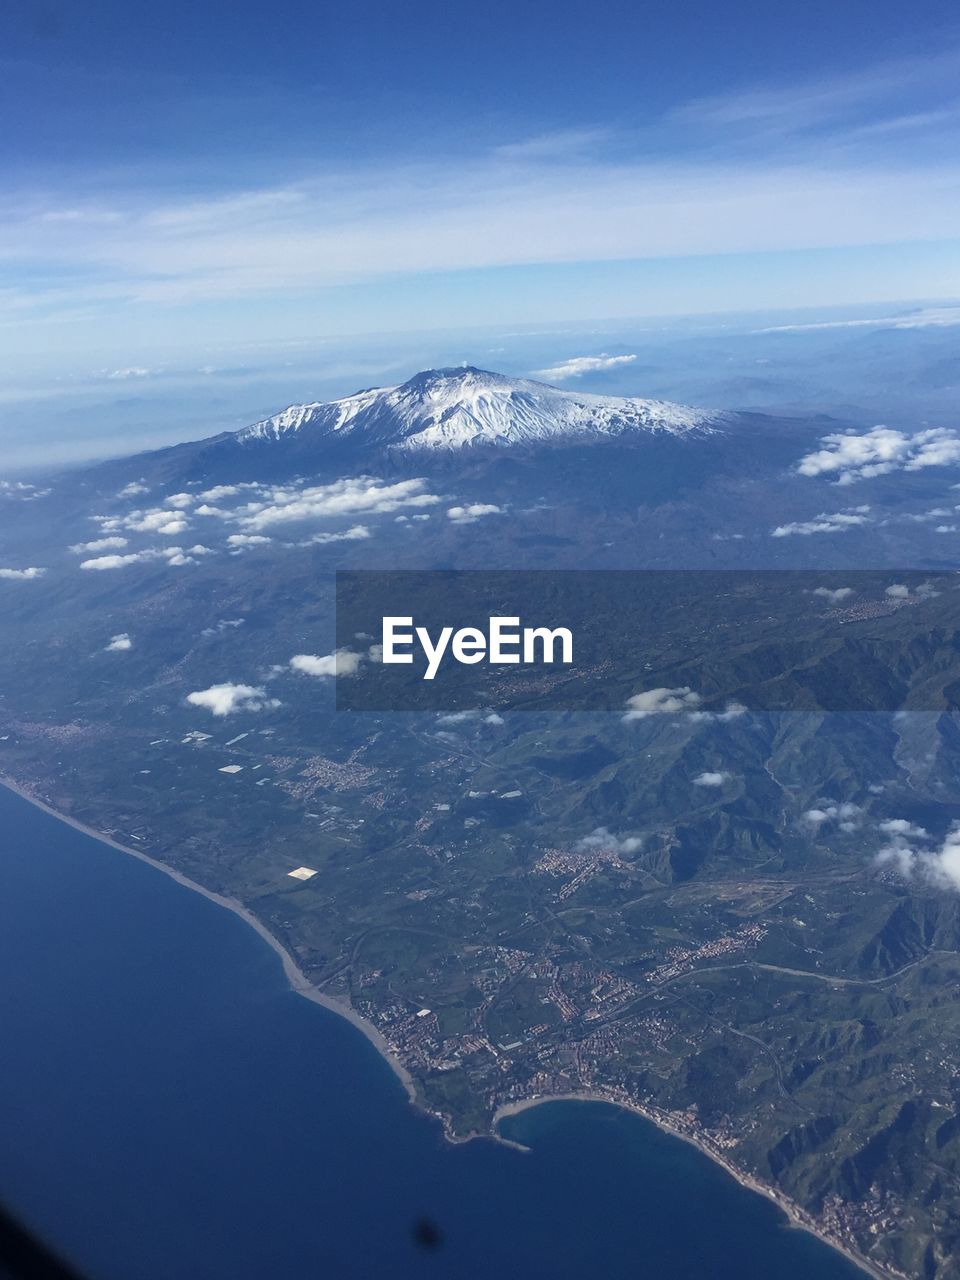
[[867, 363]]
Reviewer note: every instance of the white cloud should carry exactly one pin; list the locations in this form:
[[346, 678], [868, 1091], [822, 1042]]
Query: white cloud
[[658, 702], [265, 508], [357, 533], [166, 523], [903, 827], [342, 662], [132, 489], [926, 317], [227, 699], [849, 456], [825, 522], [225, 491], [834, 594], [579, 365], [935, 513], [472, 512], [119, 643], [708, 779], [939, 867], [457, 717], [172, 555], [943, 866], [923, 591], [102, 563], [122, 374], [838, 100], [732, 711], [222, 625], [177, 556], [847, 814], [99, 544], [158, 520], [558, 144], [603, 839], [342, 498], [22, 575], [21, 490]]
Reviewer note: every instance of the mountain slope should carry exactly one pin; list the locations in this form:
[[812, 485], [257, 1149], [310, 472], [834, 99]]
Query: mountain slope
[[466, 407], [484, 437]]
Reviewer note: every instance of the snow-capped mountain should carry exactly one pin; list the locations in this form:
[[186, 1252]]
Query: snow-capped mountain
[[466, 407]]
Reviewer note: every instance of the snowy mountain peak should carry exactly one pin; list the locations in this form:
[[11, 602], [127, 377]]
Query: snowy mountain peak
[[464, 407], [460, 375]]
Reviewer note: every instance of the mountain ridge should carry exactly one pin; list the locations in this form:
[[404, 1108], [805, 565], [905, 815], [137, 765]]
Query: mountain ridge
[[467, 407]]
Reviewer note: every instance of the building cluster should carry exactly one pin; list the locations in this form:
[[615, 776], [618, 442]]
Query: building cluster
[[852, 1221], [581, 865], [868, 609], [681, 960], [320, 774], [497, 965], [566, 862]]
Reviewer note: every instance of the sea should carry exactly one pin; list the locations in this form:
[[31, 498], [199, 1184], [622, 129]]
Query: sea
[[171, 1110]]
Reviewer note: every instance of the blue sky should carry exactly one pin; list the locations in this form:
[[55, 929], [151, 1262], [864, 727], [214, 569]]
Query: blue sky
[[269, 171]]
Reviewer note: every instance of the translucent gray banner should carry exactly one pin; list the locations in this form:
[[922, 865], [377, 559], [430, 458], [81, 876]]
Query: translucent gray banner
[[643, 642]]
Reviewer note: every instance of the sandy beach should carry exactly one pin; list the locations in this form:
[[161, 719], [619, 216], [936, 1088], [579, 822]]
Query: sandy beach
[[298, 980], [302, 985]]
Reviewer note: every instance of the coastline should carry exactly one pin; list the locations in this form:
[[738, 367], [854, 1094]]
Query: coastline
[[297, 979], [796, 1216], [302, 986]]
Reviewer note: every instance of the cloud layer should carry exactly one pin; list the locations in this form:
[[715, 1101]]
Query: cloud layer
[[848, 456], [169, 555], [825, 522], [910, 852]]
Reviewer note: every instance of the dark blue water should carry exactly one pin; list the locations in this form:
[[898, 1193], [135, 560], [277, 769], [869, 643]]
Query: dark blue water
[[170, 1110]]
